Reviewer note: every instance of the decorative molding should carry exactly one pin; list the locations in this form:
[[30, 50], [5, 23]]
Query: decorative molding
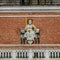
[[29, 9]]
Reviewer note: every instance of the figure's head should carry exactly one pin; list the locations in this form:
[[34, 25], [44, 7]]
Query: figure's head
[[30, 22]]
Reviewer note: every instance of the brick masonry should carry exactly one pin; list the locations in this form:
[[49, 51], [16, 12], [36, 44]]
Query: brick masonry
[[49, 28]]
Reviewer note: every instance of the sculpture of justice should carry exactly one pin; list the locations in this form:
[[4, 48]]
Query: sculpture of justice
[[30, 33]]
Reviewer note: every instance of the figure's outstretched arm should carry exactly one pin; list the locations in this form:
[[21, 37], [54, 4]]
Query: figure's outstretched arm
[[26, 28], [34, 27]]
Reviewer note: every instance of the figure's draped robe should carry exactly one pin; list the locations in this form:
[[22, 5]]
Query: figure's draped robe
[[29, 35]]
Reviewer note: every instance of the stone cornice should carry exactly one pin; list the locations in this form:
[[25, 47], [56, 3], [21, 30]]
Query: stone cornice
[[29, 9]]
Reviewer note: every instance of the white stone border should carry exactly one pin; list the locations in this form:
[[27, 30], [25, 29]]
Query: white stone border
[[57, 45], [30, 16]]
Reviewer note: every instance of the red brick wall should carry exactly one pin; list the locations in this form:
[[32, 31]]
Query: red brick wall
[[49, 30]]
